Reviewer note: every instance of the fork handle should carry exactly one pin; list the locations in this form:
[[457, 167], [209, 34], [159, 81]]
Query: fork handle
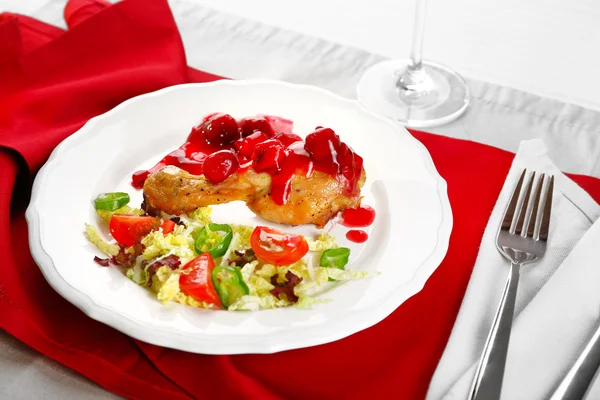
[[577, 381], [487, 383]]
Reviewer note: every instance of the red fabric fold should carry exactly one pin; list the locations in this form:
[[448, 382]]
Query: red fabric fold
[[11, 45], [54, 89], [52, 82], [48, 89], [77, 11]]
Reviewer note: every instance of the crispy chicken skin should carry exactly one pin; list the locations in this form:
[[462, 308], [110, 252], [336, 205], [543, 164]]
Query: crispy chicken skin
[[313, 200]]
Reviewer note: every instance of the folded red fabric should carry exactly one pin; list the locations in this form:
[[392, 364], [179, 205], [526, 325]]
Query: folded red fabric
[[51, 82], [77, 11], [52, 85]]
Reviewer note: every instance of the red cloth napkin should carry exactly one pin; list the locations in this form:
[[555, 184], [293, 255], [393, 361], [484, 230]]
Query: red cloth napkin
[[51, 82]]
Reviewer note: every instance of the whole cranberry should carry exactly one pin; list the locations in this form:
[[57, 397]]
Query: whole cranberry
[[268, 156], [249, 125], [219, 165], [287, 138], [322, 144], [350, 166], [220, 129], [280, 124], [245, 147], [196, 135]]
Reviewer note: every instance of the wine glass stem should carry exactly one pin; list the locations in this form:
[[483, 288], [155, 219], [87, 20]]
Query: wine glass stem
[[414, 73]]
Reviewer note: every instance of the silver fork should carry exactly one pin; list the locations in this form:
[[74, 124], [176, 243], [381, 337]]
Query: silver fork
[[521, 238]]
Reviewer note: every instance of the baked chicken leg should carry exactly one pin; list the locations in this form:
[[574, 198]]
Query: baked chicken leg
[[313, 200], [260, 161]]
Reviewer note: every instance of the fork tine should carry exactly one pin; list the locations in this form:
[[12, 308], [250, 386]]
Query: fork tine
[[512, 205], [536, 203], [522, 213], [545, 225]]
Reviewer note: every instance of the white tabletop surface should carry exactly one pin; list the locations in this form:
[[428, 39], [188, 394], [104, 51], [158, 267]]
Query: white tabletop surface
[[524, 60], [546, 47]]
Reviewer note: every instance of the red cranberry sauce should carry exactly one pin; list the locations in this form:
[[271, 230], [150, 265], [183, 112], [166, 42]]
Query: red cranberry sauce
[[220, 146], [358, 217], [357, 236]]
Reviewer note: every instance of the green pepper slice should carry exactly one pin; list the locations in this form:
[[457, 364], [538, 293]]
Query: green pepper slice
[[214, 239], [111, 201], [229, 284], [337, 258]]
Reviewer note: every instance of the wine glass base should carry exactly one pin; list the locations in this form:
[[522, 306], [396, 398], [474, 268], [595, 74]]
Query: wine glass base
[[442, 97]]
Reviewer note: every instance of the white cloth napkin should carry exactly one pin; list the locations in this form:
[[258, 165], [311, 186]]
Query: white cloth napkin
[[558, 299]]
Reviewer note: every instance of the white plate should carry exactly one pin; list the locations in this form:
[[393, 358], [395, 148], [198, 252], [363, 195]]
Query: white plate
[[408, 239]]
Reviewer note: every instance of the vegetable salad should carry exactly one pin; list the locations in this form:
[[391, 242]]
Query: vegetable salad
[[192, 260]]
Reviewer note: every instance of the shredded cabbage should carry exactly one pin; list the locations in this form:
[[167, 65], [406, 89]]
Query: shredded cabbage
[[255, 303], [266, 271], [138, 275], [248, 269], [258, 279], [243, 232], [307, 286], [259, 285], [300, 269], [165, 283], [240, 239], [182, 298], [306, 302], [201, 215], [93, 236], [178, 242], [256, 275], [348, 274], [324, 241]]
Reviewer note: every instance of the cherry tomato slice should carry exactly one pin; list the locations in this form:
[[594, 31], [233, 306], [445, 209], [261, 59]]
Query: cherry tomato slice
[[196, 279], [277, 248], [167, 226], [130, 229]]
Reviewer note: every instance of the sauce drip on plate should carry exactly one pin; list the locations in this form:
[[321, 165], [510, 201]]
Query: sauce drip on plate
[[357, 236], [266, 144], [358, 217]]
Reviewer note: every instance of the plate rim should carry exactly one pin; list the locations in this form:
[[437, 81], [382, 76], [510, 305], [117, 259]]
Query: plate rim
[[134, 329]]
